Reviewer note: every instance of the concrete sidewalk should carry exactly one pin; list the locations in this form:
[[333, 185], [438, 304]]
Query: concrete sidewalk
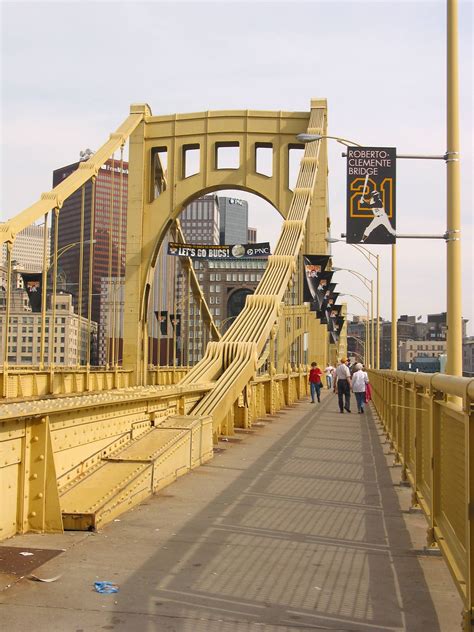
[[299, 524]]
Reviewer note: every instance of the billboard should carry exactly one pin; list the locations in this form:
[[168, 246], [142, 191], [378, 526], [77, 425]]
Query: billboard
[[371, 195]]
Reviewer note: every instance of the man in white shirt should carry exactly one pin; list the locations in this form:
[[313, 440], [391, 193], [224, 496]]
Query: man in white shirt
[[328, 373], [343, 385]]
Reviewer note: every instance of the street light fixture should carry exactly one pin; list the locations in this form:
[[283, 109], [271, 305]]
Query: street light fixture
[[369, 284], [364, 304], [311, 138], [363, 345], [370, 256], [67, 247]]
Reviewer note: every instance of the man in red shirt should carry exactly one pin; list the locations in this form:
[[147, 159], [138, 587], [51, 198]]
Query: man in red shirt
[[315, 381]]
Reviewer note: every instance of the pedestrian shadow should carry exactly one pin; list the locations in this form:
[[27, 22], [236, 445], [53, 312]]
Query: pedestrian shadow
[[311, 536]]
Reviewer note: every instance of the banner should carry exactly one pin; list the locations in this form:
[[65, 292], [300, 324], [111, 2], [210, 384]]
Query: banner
[[334, 337], [371, 176], [162, 318], [335, 333], [314, 267], [236, 251], [176, 322], [322, 316], [332, 316], [33, 287], [322, 286], [330, 299]]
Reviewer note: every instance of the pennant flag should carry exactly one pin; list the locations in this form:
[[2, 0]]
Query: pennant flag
[[33, 287]]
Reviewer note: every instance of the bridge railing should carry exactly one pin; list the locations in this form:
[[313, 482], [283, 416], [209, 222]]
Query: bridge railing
[[429, 422]]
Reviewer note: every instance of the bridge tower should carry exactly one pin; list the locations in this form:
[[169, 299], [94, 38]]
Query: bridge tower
[[160, 187]]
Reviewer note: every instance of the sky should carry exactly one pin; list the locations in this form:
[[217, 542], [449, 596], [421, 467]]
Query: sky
[[70, 70]]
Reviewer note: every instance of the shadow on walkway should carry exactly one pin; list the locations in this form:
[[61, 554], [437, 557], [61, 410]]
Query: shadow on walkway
[[311, 536]]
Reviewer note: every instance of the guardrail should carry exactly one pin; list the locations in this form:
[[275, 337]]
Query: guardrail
[[46, 442], [430, 423]]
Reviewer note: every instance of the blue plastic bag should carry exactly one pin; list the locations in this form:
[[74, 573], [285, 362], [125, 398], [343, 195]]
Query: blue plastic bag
[[106, 588]]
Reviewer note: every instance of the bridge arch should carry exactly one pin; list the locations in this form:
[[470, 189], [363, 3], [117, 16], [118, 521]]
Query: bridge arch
[[158, 192]]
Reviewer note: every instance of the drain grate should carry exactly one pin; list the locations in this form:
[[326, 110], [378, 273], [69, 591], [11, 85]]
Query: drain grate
[[13, 563]]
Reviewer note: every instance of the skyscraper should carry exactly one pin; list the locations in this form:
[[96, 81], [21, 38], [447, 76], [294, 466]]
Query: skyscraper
[[105, 232], [234, 216], [28, 249], [200, 221], [106, 222]]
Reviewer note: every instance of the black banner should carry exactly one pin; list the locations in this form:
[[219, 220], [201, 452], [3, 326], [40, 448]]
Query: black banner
[[322, 316], [329, 300], [334, 337], [332, 316], [371, 176], [176, 322], [33, 286], [236, 251], [322, 286], [337, 328], [314, 267], [162, 318]]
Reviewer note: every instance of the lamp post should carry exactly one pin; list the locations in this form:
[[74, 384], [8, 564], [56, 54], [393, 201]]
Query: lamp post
[[362, 343], [371, 257], [310, 138], [453, 214], [364, 304], [453, 206], [369, 284], [67, 247]]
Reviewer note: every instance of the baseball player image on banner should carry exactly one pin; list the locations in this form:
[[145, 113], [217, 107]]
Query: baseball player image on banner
[[314, 267], [371, 174], [324, 281]]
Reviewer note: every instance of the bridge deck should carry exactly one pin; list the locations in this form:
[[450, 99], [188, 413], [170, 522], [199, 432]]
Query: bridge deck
[[299, 524]]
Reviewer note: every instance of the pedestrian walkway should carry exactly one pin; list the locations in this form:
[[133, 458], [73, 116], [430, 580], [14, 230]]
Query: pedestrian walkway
[[299, 524]]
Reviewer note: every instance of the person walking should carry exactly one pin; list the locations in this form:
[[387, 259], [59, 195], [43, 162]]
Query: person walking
[[315, 382], [328, 373], [360, 379], [343, 385]]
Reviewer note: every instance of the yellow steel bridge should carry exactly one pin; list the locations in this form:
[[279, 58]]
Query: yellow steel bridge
[[81, 444]]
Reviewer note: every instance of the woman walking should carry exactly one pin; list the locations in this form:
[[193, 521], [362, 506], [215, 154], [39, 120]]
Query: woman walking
[[315, 381], [360, 379]]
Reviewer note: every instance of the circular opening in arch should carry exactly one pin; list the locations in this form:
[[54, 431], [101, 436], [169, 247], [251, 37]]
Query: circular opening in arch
[[236, 302]]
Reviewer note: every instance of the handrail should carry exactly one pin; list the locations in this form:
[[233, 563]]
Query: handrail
[[429, 421]]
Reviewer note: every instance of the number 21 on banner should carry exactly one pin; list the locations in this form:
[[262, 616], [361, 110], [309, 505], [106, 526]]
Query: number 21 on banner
[[362, 189]]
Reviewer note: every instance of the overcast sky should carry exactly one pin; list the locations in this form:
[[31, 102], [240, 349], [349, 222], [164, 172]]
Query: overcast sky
[[70, 70]]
